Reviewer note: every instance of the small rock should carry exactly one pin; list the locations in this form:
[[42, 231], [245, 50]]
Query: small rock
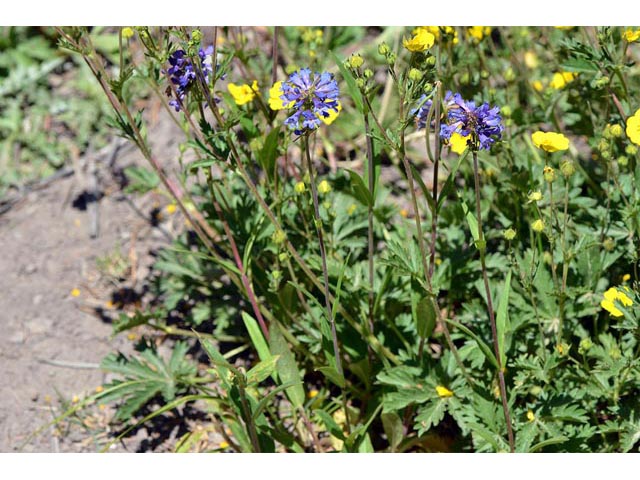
[[39, 325], [31, 268], [37, 299], [18, 337], [35, 396]]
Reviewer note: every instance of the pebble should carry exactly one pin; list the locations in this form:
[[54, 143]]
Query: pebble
[[18, 337], [37, 299], [39, 325]]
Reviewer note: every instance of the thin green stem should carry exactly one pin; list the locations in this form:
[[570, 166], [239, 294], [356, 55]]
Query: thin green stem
[[492, 320]]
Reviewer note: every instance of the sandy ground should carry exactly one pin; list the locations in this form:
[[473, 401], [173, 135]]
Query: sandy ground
[[53, 337]]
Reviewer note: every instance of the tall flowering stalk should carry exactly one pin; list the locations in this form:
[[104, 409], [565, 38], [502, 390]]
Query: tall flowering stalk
[[484, 126]]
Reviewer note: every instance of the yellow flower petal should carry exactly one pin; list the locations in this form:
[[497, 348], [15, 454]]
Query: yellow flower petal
[[560, 79], [443, 392], [275, 102], [332, 115], [458, 143], [633, 128], [422, 40], [631, 36], [611, 308], [550, 141], [243, 94]]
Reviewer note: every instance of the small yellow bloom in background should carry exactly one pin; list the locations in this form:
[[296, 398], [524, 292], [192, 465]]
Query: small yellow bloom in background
[[550, 141], [458, 143], [171, 208], [535, 196], [132, 336], [631, 35], [324, 187], [223, 445], [300, 187], [563, 28], [404, 213], [243, 94], [509, 234], [352, 208], [75, 292], [422, 40], [313, 393], [478, 33], [436, 32], [609, 302], [633, 127], [530, 59], [99, 389], [626, 277], [332, 115], [537, 85], [561, 79], [75, 399], [538, 226], [443, 392], [531, 416], [563, 349], [102, 406], [127, 32]]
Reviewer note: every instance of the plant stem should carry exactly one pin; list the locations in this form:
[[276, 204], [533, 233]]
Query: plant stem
[[325, 273], [371, 175], [492, 320]]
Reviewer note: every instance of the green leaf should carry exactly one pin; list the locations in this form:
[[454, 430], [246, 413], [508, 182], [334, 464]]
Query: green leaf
[[393, 429], [483, 346], [450, 182], [207, 162], [423, 187], [425, 317], [545, 443], [286, 366], [472, 222], [579, 65], [430, 415], [257, 339], [262, 370], [359, 188], [269, 153], [352, 88], [141, 180], [502, 320], [332, 374], [330, 424]]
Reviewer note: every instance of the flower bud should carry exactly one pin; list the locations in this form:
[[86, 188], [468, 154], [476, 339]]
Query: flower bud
[[360, 83], [324, 187], [609, 244], [356, 61], [391, 58], [538, 226], [509, 75], [415, 75], [368, 73], [585, 345], [300, 187], [623, 161], [616, 131], [549, 174], [567, 168], [196, 35], [506, 111], [484, 74], [601, 82], [631, 150], [509, 234], [279, 237], [535, 196], [431, 60], [383, 49]]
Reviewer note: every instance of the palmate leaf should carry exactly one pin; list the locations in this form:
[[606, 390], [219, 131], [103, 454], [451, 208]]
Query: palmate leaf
[[430, 415], [145, 377]]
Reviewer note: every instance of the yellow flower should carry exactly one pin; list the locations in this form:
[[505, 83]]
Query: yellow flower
[[422, 40], [478, 33], [443, 392], [332, 115], [631, 36], [530, 59], [243, 93], [535, 196], [127, 32], [560, 79], [324, 187], [538, 226], [171, 208], [99, 389], [626, 277], [75, 292], [300, 187], [549, 174], [312, 393], [550, 141], [509, 234], [633, 127], [275, 102], [436, 31], [224, 444], [531, 416], [458, 143], [538, 86], [610, 297]]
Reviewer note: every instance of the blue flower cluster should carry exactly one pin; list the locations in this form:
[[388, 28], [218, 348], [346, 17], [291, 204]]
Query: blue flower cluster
[[182, 74], [422, 113], [483, 123], [312, 96]]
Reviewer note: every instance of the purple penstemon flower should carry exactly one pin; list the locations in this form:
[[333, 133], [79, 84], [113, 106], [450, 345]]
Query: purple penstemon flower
[[311, 95], [422, 113], [183, 75], [483, 123]]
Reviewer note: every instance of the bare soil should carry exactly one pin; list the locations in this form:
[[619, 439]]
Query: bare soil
[[60, 288]]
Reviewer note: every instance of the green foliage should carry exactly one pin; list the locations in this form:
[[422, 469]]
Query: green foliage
[[322, 346]]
